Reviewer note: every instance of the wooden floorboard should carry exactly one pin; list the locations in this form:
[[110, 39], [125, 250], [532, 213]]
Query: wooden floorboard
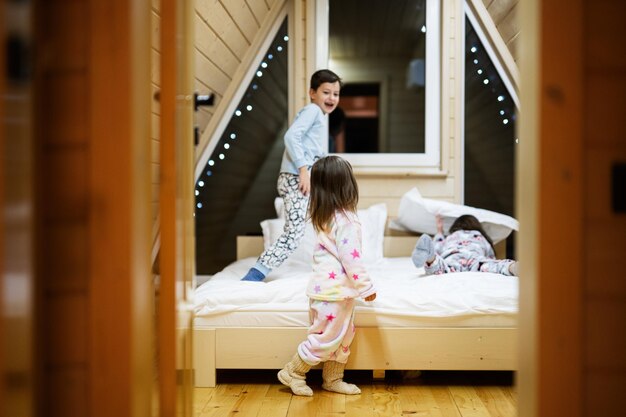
[[432, 394]]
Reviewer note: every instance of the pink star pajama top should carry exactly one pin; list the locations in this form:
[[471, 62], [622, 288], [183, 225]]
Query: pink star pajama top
[[338, 278], [338, 270]]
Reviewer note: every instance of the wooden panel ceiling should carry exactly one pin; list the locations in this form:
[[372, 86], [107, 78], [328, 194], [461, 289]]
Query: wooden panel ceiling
[[360, 28], [375, 28], [504, 16]]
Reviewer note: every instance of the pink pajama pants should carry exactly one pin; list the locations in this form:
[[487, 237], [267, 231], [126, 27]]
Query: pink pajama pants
[[330, 333]]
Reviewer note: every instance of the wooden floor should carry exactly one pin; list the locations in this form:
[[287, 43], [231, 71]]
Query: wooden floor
[[437, 394]]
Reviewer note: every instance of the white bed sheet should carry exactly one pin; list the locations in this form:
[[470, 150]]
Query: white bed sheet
[[406, 297]]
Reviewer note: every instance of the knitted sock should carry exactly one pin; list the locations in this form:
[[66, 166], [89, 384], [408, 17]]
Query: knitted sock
[[424, 251], [332, 374], [293, 375], [254, 275]]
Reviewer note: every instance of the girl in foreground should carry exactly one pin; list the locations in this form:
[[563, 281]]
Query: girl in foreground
[[338, 278]]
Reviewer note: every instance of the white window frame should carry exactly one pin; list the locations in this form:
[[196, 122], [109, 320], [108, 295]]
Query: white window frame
[[317, 34]]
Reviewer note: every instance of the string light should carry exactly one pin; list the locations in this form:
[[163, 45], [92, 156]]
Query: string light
[[473, 49], [500, 98], [239, 112]]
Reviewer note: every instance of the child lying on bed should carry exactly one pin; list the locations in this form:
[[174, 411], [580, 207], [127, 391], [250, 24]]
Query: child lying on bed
[[338, 278], [466, 248]]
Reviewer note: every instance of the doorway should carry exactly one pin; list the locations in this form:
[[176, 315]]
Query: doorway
[[354, 125]]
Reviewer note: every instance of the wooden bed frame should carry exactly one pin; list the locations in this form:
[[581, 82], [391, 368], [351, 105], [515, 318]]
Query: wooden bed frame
[[377, 349]]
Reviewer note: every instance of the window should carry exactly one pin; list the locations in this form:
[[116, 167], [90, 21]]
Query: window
[[387, 53]]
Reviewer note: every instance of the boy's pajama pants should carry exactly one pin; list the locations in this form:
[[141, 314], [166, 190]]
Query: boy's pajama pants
[[296, 205], [459, 262], [331, 332]]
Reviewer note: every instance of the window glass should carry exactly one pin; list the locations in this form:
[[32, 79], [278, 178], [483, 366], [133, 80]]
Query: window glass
[[378, 47]]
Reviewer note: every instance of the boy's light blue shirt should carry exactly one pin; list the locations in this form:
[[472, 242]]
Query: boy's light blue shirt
[[305, 139]]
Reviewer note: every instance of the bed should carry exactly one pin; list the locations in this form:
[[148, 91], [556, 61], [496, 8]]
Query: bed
[[460, 321]]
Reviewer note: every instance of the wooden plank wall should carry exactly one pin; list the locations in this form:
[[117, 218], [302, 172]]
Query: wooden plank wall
[[224, 31], [604, 289], [94, 295], [573, 291], [63, 159], [155, 115], [18, 345], [504, 15]]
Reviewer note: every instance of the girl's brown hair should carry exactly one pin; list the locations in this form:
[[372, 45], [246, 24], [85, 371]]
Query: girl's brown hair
[[469, 222], [333, 188]]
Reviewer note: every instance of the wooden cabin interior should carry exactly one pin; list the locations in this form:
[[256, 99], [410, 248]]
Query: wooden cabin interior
[[118, 187]]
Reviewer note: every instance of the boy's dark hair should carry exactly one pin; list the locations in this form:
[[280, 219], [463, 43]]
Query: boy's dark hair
[[333, 188], [469, 222], [324, 76]]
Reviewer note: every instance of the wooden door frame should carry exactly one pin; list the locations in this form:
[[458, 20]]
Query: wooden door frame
[[2, 203], [120, 279], [177, 227], [550, 206]]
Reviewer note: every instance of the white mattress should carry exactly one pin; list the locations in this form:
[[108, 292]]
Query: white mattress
[[406, 297]]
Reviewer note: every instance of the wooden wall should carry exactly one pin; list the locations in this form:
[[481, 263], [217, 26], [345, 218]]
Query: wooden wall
[[224, 33], [155, 110], [63, 160], [94, 304], [572, 288], [18, 381], [604, 145], [504, 14]]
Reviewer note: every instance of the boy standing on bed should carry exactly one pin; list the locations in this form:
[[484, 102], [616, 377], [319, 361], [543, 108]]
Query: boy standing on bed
[[304, 144], [338, 278]]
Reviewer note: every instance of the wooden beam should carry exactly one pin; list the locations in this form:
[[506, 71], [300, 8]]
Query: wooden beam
[[120, 283]]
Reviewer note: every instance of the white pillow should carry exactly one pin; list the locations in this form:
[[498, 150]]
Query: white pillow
[[417, 214], [372, 219]]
